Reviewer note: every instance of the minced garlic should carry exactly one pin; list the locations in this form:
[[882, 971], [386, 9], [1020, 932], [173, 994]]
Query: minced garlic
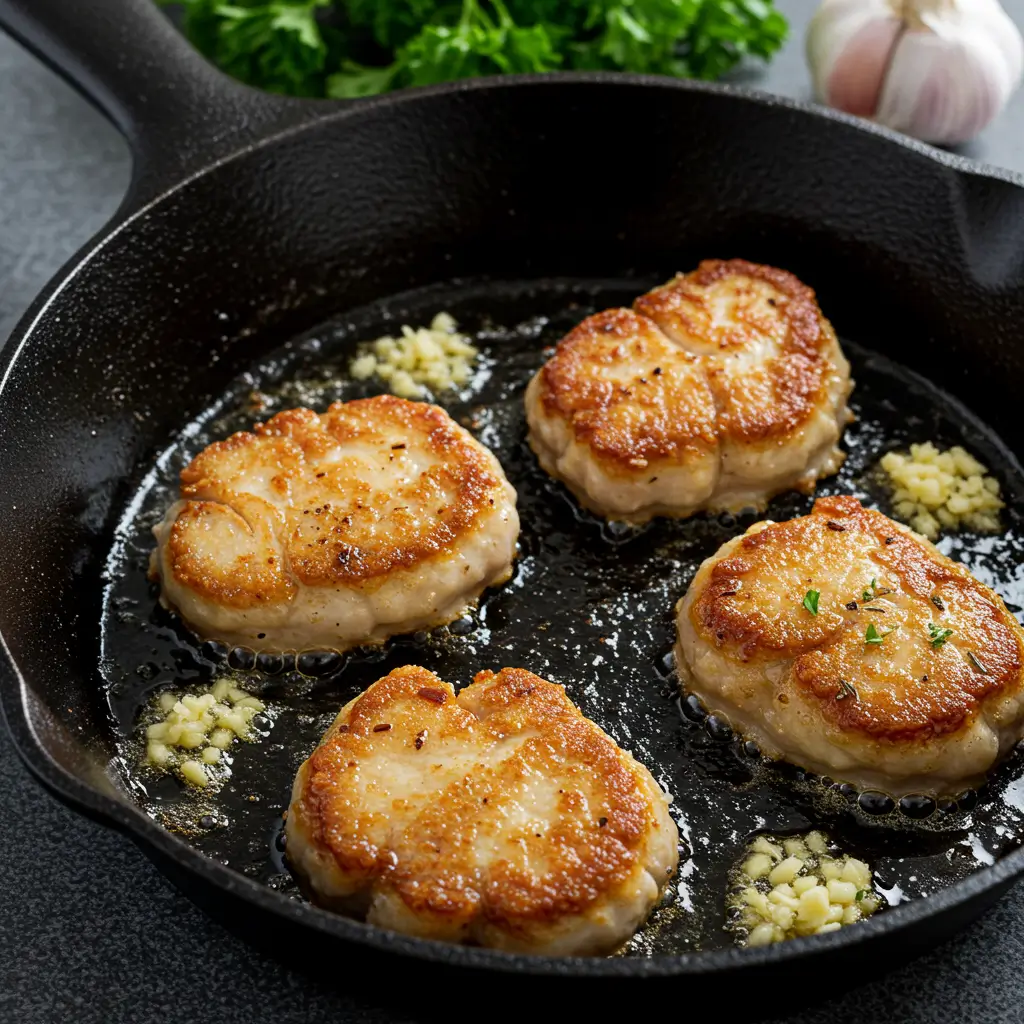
[[794, 886], [433, 358], [207, 723], [933, 489]]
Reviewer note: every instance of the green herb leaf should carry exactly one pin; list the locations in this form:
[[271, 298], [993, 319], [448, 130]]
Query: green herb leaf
[[276, 45], [938, 635], [353, 48], [811, 601], [355, 81], [869, 591], [391, 23], [872, 636], [861, 893]]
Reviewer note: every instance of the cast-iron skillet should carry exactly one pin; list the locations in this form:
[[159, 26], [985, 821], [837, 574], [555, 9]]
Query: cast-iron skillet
[[251, 219]]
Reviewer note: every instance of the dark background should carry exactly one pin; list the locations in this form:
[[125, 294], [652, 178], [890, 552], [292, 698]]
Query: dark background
[[89, 931]]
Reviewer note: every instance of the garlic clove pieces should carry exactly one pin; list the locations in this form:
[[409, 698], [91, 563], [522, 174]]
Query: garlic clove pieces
[[848, 48], [859, 73], [985, 20], [942, 90], [939, 70]]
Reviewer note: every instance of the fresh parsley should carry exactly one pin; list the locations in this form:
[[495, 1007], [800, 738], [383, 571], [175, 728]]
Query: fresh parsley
[[938, 635], [861, 893], [872, 636], [279, 45], [351, 48], [811, 601]]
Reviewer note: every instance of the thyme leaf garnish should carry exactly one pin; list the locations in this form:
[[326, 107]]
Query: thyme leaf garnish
[[938, 635], [872, 636]]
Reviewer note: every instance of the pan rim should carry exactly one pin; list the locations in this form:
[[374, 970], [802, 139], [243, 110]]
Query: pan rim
[[15, 693], [339, 110]]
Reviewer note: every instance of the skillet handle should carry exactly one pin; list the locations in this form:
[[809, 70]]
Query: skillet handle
[[176, 110]]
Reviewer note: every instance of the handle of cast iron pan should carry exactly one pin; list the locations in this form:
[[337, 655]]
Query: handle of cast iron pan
[[177, 111]]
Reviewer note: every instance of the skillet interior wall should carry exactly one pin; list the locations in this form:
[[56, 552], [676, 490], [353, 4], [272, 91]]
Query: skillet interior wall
[[909, 257]]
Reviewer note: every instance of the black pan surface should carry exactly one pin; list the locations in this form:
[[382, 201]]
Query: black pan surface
[[590, 606], [518, 206]]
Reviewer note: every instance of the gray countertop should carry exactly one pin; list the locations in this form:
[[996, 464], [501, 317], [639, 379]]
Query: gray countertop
[[89, 931]]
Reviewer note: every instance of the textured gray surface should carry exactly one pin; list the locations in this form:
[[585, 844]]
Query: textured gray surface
[[89, 931]]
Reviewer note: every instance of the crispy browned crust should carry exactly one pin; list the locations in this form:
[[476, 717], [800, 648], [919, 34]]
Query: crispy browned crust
[[693, 403], [663, 411], [604, 812], [907, 689], [322, 526], [259, 575], [777, 397]]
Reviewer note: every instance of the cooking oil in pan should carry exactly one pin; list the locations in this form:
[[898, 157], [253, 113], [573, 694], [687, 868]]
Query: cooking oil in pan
[[590, 606]]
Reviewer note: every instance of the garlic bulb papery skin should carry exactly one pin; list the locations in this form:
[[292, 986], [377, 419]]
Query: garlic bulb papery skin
[[939, 70]]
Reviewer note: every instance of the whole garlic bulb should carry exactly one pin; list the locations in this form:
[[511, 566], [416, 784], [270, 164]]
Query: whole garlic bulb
[[939, 70]]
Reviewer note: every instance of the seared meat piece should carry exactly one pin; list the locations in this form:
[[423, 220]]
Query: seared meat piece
[[381, 516], [907, 679], [499, 816], [716, 391]]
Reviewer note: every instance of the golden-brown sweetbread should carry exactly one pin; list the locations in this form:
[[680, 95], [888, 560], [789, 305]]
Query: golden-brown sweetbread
[[716, 391], [909, 677], [499, 816], [380, 516]]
